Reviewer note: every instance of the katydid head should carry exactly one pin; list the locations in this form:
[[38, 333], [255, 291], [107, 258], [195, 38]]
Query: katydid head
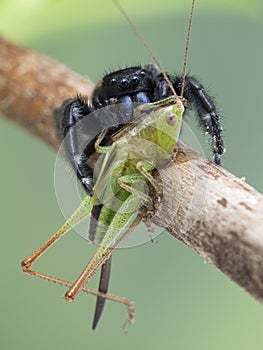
[[167, 121]]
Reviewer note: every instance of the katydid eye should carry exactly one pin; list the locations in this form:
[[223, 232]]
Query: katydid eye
[[171, 119]]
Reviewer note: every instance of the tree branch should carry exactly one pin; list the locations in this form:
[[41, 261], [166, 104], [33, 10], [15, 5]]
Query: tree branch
[[204, 206]]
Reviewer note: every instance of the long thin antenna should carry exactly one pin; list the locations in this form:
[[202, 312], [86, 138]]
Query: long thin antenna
[[147, 47], [187, 47]]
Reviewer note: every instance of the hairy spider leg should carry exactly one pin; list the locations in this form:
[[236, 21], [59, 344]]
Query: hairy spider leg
[[205, 108], [70, 123]]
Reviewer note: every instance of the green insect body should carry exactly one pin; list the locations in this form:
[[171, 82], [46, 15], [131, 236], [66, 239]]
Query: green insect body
[[121, 188], [137, 150]]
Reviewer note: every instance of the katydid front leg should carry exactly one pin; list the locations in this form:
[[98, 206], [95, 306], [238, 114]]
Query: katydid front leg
[[128, 182]]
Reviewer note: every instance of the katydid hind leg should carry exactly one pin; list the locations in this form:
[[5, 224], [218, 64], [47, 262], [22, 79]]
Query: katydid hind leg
[[78, 215], [103, 287]]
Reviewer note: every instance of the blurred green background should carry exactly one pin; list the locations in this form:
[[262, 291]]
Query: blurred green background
[[181, 302]]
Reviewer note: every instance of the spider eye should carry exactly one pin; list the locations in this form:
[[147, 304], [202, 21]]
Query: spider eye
[[135, 80], [142, 73], [123, 84], [113, 81]]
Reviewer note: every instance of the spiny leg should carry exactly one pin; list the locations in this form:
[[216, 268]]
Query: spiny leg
[[127, 182], [103, 253], [82, 211], [128, 303], [144, 168]]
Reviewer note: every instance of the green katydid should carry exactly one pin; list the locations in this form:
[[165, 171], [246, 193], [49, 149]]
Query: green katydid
[[127, 168]]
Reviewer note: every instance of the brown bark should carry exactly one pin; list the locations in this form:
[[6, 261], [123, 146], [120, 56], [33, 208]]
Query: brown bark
[[217, 215], [206, 207]]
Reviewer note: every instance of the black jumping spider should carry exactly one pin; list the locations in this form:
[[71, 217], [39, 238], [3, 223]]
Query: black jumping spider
[[128, 86]]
